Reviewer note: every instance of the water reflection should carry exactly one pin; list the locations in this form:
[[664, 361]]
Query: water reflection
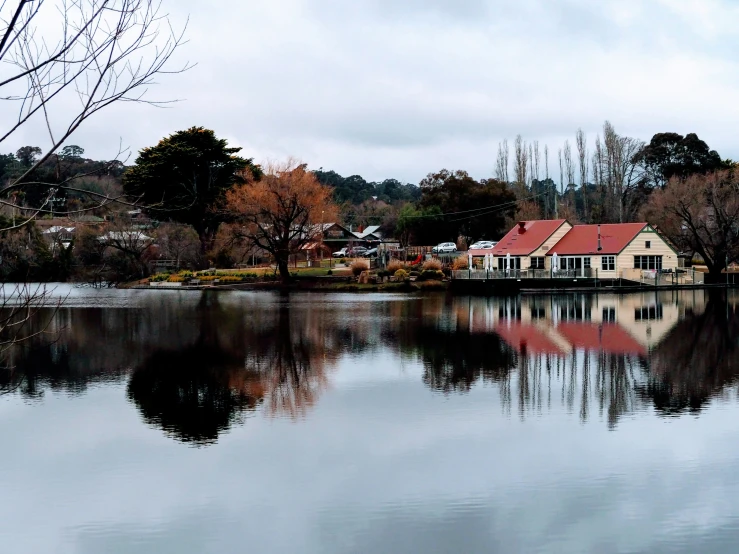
[[195, 365]]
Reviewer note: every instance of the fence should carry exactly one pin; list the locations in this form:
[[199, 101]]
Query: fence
[[644, 277]]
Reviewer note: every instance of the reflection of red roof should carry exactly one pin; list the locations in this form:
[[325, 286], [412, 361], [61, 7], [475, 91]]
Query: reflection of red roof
[[527, 236], [527, 338], [583, 239], [609, 337]]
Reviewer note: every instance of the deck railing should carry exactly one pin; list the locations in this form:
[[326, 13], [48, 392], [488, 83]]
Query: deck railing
[[646, 277]]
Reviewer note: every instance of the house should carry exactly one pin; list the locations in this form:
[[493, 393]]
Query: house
[[613, 250], [529, 242], [371, 233]]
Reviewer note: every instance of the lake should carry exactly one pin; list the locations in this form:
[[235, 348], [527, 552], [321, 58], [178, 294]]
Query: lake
[[217, 422]]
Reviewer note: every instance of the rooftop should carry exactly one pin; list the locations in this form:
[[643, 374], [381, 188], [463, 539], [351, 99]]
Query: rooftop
[[527, 236], [583, 239]]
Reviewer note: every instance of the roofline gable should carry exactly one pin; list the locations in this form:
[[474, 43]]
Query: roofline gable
[[543, 241]]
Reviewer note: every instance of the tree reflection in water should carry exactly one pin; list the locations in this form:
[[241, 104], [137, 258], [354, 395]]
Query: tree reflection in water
[[698, 359], [194, 394], [196, 369]]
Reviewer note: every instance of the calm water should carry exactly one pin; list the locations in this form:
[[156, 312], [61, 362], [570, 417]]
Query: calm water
[[187, 422]]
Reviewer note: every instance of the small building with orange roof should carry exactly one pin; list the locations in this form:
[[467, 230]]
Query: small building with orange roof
[[528, 243], [613, 250]]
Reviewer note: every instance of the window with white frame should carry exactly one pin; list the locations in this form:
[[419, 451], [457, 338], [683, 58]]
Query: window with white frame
[[537, 262], [648, 262], [608, 263]]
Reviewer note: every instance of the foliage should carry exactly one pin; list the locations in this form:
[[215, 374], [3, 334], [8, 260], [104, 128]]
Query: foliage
[[671, 155], [395, 265], [355, 190], [460, 262], [431, 275], [358, 266], [479, 207], [700, 214], [185, 176], [433, 264], [402, 275], [178, 242], [281, 212]]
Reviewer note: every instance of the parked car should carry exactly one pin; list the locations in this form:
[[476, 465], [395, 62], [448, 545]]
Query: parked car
[[356, 252], [371, 253], [340, 253], [444, 248], [482, 245]]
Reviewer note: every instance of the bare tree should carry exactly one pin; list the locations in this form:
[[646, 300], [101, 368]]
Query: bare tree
[[91, 53], [561, 178], [20, 305], [501, 164], [520, 165], [570, 171], [621, 172], [582, 155]]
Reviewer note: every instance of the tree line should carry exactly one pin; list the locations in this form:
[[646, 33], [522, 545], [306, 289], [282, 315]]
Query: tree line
[[204, 204]]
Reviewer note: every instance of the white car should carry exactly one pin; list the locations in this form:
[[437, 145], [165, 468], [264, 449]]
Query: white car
[[340, 254], [444, 248], [482, 245]]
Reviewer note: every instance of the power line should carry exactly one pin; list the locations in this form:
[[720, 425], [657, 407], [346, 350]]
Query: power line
[[484, 209]]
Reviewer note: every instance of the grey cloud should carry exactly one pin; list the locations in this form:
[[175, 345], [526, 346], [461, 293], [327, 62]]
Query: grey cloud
[[338, 83]]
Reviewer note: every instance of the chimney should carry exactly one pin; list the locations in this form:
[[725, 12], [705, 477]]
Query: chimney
[[521, 227], [599, 246]]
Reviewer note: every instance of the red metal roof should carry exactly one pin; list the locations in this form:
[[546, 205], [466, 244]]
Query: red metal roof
[[583, 239], [608, 337], [527, 236], [526, 338]]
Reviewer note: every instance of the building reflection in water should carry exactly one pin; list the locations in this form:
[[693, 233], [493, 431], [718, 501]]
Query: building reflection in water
[[196, 368]]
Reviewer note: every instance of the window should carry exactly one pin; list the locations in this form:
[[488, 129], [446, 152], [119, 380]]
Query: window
[[515, 263], [609, 315], [538, 312], [537, 263], [648, 244], [608, 263], [648, 262], [646, 313], [586, 263]]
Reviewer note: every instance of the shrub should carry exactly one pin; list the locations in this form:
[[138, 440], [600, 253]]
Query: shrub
[[159, 277], [358, 266], [176, 279], [460, 262], [402, 275], [432, 264], [329, 272], [431, 275], [394, 266], [414, 273], [231, 279]]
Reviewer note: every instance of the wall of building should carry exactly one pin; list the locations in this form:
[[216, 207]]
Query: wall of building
[[636, 247], [541, 252]]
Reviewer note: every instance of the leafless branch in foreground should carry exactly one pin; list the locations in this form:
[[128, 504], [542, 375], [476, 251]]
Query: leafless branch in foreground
[[62, 61]]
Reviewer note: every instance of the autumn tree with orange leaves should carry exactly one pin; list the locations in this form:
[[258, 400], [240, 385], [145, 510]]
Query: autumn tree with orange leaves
[[280, 213]]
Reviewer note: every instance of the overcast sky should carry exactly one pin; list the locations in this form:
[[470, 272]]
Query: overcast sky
[[399, 88]]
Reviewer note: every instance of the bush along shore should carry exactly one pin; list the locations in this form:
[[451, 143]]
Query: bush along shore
[[357, 277]]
